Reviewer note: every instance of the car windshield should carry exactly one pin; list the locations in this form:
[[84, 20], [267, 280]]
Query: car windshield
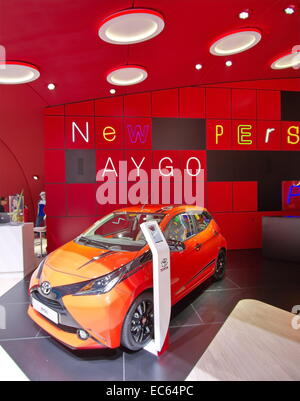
[[119, 231]]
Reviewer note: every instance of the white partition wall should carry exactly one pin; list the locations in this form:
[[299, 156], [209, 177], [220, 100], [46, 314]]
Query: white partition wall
[[17, 248]]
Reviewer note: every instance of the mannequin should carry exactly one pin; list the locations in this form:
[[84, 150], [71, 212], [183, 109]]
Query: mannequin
[[41, 210]]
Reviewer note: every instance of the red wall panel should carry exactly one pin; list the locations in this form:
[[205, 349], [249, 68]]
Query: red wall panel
[[80, 133], [241, 230], [220, 196], [165, 103], [243, 135], [81, 200], [80, 109], [55, 166], [290, 135], [268, 105], [63, 229], [142, 158], [56, 200], [192, 102], [267, 139], [243, 104], [109, 133], [109, 107], [218, 103], [245, 196], [54, 131], [55, 110], [137, 105], [109, 159], [138, 133], [218, 134]]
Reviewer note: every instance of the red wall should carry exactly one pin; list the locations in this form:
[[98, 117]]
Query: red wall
[[72, 207], [21, 143]]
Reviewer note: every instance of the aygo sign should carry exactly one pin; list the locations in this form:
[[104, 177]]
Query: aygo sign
[[134, 180]]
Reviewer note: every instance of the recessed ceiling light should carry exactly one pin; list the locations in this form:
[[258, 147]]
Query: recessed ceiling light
[[127, 75], [289, 10], [236, 42], [131, 26], [291, 60], [35, 177], [228, 63], [112, 91], [244, 15], [198, 66], [14, 72], [51, 87]]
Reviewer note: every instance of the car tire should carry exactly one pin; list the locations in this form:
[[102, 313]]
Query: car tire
[[220, 265], [138, 326]]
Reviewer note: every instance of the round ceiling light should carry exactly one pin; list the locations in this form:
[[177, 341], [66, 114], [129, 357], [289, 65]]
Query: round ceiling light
[[289, 10], [291, 60], [14, 72], [236, 42], [127, 75], [131, 26], [244, 14]]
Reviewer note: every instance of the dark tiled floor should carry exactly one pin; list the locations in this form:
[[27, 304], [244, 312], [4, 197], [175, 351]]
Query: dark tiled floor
[[195, 322]]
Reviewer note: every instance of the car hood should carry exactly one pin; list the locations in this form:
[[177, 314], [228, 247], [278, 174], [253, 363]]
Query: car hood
[[87, 262]]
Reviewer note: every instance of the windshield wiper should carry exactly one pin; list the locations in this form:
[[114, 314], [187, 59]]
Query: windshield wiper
[[93, 241]]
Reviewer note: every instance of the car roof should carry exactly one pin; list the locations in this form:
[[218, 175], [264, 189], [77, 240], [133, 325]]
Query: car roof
[[161, 209]]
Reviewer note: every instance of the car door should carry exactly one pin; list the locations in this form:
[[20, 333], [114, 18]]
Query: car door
[[204, 245], [180, 228]]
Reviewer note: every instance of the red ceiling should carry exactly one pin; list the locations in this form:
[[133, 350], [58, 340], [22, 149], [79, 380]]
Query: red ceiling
[[61, 39]]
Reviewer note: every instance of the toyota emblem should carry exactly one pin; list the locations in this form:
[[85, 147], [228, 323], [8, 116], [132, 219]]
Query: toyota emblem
[[46, 288], [164, 263]]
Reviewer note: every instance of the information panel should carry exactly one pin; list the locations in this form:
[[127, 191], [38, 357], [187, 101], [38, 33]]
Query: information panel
[[161, 281]]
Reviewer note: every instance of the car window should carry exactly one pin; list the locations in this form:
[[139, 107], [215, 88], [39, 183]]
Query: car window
[[120, 229], [180, 228], [202, 220]]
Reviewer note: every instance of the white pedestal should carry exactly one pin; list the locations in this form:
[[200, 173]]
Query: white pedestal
[[17, 248]]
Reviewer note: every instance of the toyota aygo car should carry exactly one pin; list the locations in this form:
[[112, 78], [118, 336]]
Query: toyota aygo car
[[96, 291]]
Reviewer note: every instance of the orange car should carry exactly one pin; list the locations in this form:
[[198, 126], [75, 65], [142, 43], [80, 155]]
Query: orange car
[[96, 291]]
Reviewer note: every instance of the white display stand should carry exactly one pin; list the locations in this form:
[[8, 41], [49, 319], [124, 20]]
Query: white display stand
[[17, 248], [161, 284]]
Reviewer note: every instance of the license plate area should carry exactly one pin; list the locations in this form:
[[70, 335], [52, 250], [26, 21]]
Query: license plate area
[[45, 311]]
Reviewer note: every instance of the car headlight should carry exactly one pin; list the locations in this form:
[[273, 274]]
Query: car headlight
[[40, 268], [107, 282]]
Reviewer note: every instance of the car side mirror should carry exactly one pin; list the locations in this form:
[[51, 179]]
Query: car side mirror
[[175, 246]]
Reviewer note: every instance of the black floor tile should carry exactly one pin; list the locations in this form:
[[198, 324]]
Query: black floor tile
[[18, 324], [186, 347], [225, 284], [184, 316], [215, 306], [17, 294], [269, 275], [45, 359]]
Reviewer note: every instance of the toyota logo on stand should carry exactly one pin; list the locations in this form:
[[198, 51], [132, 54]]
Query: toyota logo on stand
[[46, 288], [164, 264]]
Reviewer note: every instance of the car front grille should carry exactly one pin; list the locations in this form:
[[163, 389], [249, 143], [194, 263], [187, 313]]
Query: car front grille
[[51, 303]]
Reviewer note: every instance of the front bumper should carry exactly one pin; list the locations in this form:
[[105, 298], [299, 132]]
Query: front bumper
[[69, 339]]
